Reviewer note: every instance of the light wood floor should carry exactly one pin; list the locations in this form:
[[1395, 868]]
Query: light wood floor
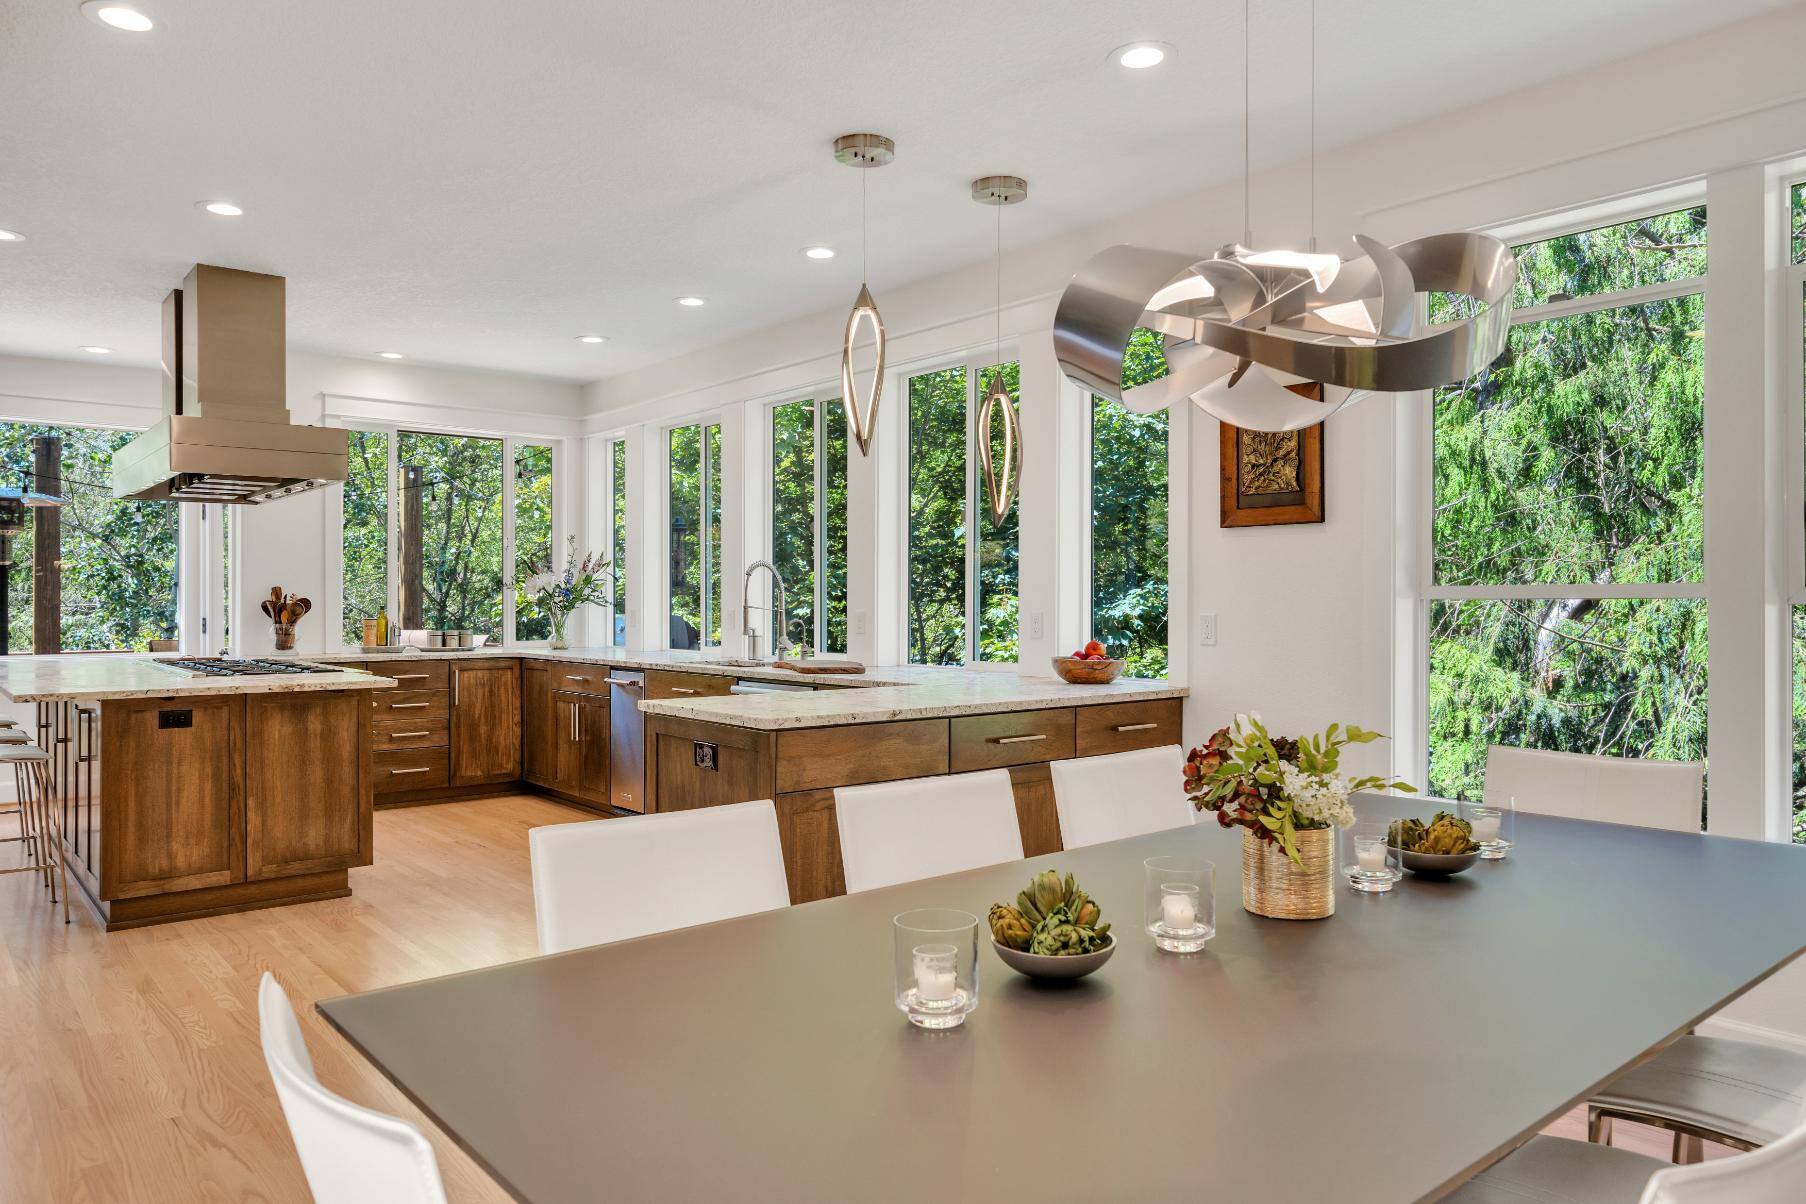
[[130, 1068]]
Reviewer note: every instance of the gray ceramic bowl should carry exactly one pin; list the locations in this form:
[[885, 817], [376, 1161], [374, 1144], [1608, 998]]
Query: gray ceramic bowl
[[1042, 965], [1437, 865]]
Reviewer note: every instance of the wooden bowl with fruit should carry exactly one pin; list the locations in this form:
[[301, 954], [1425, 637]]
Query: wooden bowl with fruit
[[1091, 665]]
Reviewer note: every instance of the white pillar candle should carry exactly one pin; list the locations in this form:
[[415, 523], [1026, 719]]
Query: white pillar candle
[[1371, 857], [1486, 829], [1178, 911], [935, 979]]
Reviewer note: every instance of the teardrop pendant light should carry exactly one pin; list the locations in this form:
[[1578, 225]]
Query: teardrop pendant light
[[1000, 478], [862, 151]]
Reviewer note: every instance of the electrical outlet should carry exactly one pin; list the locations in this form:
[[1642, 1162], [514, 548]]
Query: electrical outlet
[[1207, 630], [859, 622], [1035, 624]]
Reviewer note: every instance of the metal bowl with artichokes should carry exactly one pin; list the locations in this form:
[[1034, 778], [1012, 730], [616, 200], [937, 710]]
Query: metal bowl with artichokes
[[1053, 930], [1437, 849]]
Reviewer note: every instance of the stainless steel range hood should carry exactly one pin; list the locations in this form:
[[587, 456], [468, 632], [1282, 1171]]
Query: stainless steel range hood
[[225, 434]]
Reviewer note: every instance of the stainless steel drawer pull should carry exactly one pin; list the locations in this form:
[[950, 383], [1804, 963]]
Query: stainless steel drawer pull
[[576, 677], [403, 706], [419, 769], [1135, 727], [404, 735], [411, 676], [682, 690], [622, 681], [1018, 739]]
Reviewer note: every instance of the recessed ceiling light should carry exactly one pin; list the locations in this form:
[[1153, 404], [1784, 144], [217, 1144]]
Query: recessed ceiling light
[[119, 16], [11, 236], [692, 302], [819, 252], [221, 208], [391, 355], [98, 350], [592, 338], [1139, 56]]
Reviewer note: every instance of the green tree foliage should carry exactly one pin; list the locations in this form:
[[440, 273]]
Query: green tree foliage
[[366, 532], [793, 516], [936, 615], [1575, 459], [834, 488], [999, 544], [532, 533], [617, 560], [118, 557], [690, 538], [1129, 518], [461, 529]]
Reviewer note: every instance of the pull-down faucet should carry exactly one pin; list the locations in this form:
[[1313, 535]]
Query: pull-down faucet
[[780, 642]]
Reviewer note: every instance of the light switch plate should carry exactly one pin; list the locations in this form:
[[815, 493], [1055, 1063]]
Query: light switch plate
[[1207, 630]]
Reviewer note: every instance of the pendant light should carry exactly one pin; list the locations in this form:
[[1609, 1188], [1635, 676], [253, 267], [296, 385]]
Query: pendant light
[[1276, 339], [863, 151], [999, 478]]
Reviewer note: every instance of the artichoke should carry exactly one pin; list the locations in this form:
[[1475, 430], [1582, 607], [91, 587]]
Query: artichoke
[[1059, 935], [1009, 927], [1405, 833], [1453, 819], [1447, 836]]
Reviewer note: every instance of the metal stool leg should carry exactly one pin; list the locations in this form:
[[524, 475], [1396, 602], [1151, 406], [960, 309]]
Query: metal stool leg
[[53, 837], [1599, 1127]]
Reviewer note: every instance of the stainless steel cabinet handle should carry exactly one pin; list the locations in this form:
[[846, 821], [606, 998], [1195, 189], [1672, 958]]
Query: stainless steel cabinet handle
[[682, 690], [1018, 739], [576, 677], [622, 681], [405, 735], [454, 687], [410, 676], [1135, 727], [403, 706], [420, 769]]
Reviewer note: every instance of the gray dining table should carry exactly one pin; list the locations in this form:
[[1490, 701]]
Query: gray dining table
[[1384, 1054]]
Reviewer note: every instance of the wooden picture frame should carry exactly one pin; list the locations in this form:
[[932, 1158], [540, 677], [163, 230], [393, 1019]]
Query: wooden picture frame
[[1272, 478]]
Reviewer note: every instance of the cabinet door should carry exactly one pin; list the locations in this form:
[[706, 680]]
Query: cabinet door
[[567, 752], [538, 727], [303, 823], [172, 777], [592, 739], [485, 737]]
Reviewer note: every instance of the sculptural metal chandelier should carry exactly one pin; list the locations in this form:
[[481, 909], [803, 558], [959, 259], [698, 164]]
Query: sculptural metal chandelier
[[862, 151], [999, 470]]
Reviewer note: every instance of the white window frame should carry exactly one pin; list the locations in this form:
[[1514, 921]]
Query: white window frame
[[1417, 478], [705, 421], [975, 363], [1790, 376], [510, 563], [616, 563], [818, 506]]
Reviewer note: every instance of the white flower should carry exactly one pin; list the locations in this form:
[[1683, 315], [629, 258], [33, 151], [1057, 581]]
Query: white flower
[[1317, 798]]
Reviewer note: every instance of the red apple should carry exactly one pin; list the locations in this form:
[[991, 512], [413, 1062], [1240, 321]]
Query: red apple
[[1096, 651]]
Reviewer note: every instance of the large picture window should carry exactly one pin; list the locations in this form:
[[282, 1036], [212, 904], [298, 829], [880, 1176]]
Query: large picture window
[[364, 538], [1129, 518], [1796, 226], [694, 540], [533, 550], [617, 541], [97, 573], [1566, 602], [963, 568], [451, 505], [809, 521]]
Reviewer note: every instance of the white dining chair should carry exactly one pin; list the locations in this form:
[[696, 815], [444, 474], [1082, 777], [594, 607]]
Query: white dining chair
[[350, 1154], [1121, 795], [611, 879], [1613, 790], [895, 832], [1554, 1169]]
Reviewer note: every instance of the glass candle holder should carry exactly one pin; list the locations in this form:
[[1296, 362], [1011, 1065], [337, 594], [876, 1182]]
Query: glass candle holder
[[935, 954], [1492, 824], [1180, 903], [1371, 864]]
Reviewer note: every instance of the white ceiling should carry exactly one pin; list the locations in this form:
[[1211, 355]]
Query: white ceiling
[[475, 184]]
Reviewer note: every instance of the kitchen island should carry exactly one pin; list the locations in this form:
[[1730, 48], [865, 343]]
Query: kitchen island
[[184, 795]]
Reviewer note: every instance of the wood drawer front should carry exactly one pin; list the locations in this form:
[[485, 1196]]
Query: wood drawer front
[[821, 758], [1120, 726], [411, 769], [419, 675], [408, 733], [580, 679], [1016, 738], [386, 705], [664, 683]]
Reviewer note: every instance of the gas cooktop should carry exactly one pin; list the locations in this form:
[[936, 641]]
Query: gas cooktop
[[229, 666]]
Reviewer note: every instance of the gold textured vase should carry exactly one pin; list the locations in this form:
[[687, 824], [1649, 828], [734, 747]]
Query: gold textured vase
[[1274, 885]]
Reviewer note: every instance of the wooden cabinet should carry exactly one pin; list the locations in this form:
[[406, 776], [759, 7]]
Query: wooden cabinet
[[579, 747], [302, 823], [485, 722], [1121, 726], [538, 727], [668, 683], [1014, 738], [814, 757], [172, 781]]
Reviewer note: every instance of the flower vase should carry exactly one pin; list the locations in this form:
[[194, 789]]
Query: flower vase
[[558, 638], [1275, 886]]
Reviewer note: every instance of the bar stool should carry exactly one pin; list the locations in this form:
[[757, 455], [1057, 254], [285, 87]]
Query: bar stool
[[27, 838], [33, 763]]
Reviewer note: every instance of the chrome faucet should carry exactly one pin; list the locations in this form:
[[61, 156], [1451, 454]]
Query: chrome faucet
[[780, 642]]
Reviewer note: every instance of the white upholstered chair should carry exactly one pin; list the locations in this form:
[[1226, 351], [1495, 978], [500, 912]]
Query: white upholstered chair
[[611, 879], [1121, 795], [350, 1154], [1558, 1171], [900, 831], [1613, 790]]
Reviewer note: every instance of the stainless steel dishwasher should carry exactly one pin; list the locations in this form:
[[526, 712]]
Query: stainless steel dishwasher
[[626, 740]]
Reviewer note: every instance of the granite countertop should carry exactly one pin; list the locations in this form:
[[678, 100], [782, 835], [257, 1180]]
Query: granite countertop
[[93, 676], [887, 693]]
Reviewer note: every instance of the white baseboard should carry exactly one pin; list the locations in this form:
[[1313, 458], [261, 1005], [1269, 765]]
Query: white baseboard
[[1718, 1026]]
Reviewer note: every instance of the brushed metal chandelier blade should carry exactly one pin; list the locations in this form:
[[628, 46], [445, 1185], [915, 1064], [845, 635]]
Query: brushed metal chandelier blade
[[862, 412], [1000, 478], [1241, 330]]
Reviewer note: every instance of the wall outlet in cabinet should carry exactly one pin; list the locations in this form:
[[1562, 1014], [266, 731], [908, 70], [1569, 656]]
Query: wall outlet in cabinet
[[708, 756], [169, 719]]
